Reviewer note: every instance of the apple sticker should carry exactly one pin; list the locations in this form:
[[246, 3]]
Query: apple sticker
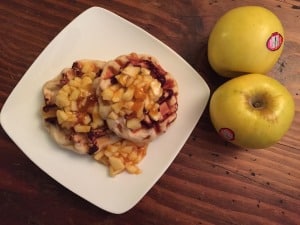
[[275, 41], [227, 134]]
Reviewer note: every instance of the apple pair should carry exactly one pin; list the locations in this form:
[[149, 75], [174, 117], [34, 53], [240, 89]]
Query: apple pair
[[251, 110]]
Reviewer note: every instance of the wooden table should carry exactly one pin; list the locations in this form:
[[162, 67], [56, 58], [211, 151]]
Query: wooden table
[[210, 181]]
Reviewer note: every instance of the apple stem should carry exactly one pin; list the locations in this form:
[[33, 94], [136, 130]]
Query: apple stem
[[257, 104]]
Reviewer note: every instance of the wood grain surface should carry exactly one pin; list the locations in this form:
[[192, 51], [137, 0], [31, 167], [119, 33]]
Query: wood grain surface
[[210, 181]]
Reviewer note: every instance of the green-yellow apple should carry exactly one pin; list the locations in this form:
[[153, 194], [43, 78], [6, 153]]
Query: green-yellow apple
[[247, 39], [252, 111]]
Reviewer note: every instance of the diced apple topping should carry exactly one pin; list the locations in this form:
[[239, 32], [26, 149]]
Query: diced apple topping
[[83, 99], [120, 156], [73, 97], [133, 124], [135, 94]]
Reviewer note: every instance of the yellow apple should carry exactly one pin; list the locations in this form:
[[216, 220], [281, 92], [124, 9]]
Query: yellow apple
[[247, 39], [252, 111]]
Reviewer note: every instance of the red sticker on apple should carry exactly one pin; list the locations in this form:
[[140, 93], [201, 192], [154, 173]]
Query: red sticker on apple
[[227, 134], [275, 41]]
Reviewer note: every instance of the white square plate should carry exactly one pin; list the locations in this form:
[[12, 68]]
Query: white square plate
[[100, 34]]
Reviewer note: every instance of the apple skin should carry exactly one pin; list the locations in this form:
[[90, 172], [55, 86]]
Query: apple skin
[[241, 43], [252, 111]]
